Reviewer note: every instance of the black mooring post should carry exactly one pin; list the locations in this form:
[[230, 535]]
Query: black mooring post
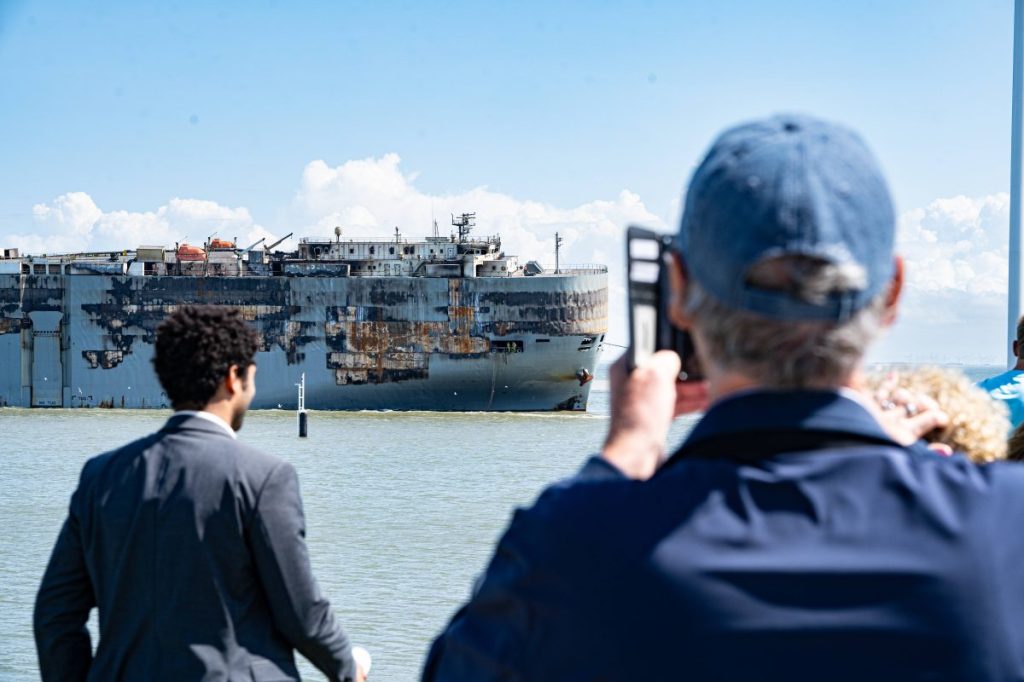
[[303, 422]]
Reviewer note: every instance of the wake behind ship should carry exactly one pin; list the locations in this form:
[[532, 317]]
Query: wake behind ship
[[448, 323]]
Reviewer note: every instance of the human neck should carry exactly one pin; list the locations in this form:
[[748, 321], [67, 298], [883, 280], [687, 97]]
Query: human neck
[[219, 408]]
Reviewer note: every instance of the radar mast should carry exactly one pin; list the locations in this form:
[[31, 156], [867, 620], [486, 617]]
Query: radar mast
[[465, 223]]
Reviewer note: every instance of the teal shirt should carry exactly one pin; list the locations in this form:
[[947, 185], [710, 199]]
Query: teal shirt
[[1008, 387]]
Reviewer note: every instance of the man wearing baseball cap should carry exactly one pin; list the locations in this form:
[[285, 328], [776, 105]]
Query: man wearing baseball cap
[[799, 533]]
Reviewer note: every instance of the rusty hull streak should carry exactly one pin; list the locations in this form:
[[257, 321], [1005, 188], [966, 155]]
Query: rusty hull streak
[[414, 337], [389, 350], [464, 337], [372, 331], [10, 325], [361, 368], [362, 330], [555, 313], [366, 346]]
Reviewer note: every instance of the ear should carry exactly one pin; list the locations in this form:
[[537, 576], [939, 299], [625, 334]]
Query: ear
[[892, 296], [677, 279], [1016, 348], [233, 381]]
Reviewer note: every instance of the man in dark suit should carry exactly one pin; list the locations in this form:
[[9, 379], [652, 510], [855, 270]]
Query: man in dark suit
[[190, 544]]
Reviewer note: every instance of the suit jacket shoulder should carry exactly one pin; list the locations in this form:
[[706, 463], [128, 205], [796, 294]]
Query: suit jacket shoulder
[[189, 520]]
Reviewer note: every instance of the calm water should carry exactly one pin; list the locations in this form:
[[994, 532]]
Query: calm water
[[402, 508]]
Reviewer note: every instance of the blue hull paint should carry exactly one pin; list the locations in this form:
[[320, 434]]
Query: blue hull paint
[[402, 343]]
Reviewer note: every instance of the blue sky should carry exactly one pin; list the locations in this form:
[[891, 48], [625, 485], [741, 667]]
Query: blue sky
[[544, 113]]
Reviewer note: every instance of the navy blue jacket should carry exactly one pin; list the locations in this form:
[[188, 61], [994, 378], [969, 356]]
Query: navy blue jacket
[[855, 559], [193, 547]]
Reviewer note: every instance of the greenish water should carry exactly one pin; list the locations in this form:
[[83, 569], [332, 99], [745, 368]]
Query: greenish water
[[402, 508]]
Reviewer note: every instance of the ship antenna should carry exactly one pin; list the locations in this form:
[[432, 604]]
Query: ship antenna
[[206, 255], [465, 223], [558, 247]]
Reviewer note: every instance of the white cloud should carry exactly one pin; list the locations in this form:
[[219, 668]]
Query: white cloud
[[64, 225], [954, 307], [367, 198], [955, 248], [73, 222], [957, 244]]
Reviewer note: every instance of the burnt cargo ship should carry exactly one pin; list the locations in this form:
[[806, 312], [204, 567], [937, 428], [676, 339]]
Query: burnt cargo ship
[[448, 323]]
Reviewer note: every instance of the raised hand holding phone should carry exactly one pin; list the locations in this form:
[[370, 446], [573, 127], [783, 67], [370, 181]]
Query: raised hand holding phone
[[650, 329], [658, 378]]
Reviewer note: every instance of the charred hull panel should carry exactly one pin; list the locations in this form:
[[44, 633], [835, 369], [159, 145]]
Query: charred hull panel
[[406, 343]]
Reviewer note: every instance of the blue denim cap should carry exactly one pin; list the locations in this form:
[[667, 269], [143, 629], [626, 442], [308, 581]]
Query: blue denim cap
[[787, 185]]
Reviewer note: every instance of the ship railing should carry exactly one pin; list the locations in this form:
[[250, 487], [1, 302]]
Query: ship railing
[[84, 255], [575, 269]]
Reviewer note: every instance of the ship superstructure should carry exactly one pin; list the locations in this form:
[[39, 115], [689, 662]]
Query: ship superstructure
[[447, 323]]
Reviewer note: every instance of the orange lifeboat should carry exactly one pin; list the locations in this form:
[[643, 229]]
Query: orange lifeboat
[[221, 244], [191, 253]]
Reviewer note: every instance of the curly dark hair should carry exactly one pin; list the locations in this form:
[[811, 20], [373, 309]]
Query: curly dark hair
[[195, 347]]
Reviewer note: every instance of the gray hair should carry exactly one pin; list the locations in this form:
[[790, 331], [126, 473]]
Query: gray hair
[[807, 354]]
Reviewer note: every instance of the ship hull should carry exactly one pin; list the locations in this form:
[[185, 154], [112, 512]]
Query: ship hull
[[402, 343]]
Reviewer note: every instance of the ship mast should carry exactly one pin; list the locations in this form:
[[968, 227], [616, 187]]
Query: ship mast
[[465, 223]]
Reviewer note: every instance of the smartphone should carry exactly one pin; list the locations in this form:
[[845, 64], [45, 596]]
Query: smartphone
[[650, 329]]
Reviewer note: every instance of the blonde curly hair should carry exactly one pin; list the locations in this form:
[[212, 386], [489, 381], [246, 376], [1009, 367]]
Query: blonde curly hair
[[978, 426]]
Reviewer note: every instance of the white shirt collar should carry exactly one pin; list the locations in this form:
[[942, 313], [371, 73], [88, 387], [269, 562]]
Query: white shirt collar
[[210, 417]]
